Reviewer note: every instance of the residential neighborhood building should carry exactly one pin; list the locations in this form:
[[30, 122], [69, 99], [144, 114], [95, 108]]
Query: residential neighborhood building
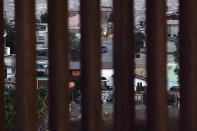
[[173, 29], [41, 36], [106, 47], [10, 69]]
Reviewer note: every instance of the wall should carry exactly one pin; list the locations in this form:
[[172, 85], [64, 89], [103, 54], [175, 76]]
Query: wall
[[173, 28], [108, 74], [137, 80]]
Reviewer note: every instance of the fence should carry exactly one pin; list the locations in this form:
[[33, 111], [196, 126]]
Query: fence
[[90, 59]]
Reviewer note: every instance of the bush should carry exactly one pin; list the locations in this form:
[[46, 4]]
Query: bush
[[75, 91], [10, 108], [43, 108]]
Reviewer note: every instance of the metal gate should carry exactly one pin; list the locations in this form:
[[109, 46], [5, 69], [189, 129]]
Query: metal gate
[[90, 58]]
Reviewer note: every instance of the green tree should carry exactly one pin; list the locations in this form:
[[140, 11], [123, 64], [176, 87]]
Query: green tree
[[10, 108], [10, 36], [75, 91], [139, 38], [43, 108], [74, 41], [176, 59], [142, 24], [74, 47], [139, 41], [110, 18], [44, 18]]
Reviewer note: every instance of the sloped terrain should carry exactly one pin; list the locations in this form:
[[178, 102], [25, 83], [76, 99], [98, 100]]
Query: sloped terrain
[[74, 4]]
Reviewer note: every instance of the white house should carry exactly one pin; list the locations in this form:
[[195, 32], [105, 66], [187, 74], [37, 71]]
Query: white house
[[109, 74], [41, 36], [139, 81], [173, 28], [10, 64]]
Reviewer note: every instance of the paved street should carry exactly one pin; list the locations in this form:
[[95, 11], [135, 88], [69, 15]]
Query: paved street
[[140, 118], [108, 56]]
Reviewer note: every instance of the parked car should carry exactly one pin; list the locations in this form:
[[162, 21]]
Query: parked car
[[103, 49]]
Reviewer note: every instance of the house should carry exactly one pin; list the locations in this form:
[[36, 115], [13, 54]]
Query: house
[[41, 36], [42, 41], [10, 69], [140, 81], [173, 29]]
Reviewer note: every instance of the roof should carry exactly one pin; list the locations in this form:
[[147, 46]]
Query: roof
[[42, 78], [173, 22], [75, 65], [141, 77], [103, 9]]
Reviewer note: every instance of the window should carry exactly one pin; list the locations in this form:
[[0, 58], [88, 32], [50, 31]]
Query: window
[[139, 84], [40, 27]]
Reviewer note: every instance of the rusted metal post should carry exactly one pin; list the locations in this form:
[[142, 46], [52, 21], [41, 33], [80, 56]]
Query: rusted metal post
[[156, 65], [58, 65], [2, 73], [26, 104], [123, 65], [90, 65], [188, 64]]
